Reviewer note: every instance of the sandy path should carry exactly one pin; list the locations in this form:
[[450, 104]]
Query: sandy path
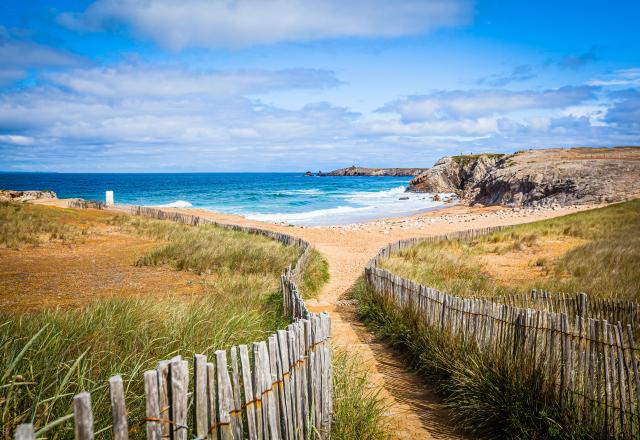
[[414, 411]]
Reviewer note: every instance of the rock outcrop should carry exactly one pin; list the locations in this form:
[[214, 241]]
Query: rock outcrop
[[24, 196], [360, 171], [537, 177]]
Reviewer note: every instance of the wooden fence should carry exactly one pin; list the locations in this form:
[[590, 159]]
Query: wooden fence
[[591, 363], [85, 204], [280, 388]]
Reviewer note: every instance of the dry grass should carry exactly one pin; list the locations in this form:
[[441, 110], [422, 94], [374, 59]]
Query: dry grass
[[22, 224], [596, 251]]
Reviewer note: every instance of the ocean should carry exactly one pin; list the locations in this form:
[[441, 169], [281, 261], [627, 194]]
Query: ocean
[[276, 197]]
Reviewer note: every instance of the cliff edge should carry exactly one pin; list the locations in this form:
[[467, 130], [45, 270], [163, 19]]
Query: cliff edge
[[537, 177]]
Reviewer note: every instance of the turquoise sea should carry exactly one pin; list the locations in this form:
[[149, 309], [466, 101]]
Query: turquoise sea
[[277, 197]]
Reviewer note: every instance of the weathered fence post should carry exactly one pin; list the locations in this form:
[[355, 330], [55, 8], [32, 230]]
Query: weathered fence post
[[83, 416], [25, 432], [120, 427]]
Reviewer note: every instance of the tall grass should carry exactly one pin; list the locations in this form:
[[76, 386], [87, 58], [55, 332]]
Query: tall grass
[[315, 273], [358, 408], [490, 394], [208, 248], [48, 356], [604, 263], [22, 224]]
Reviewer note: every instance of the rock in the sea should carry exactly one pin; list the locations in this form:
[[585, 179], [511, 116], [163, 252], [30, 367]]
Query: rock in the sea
[[23, 196], [537, 177], [360, 171], [308, 173]]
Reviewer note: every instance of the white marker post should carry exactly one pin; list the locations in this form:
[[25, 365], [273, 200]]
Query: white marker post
[[109, 198]]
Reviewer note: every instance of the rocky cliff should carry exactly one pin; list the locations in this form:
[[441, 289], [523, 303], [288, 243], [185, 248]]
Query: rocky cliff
[[537, 177], [360, 171], [23, 196]]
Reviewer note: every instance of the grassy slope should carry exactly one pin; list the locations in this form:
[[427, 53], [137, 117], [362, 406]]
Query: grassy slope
[[602, 260], [22, 225], [66, 351]]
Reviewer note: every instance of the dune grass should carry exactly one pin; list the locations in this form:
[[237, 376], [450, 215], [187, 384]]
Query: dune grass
[[208, 249], [23, 224], [358, 409], [315, 274], [602, 259], [488, 393], [48, 356]]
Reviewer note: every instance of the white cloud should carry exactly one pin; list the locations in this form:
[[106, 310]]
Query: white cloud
[[15, 139], [166, 82], [622, 77], [460, 127], [449, 105], [238, 23], [159, 117], [16, 57]]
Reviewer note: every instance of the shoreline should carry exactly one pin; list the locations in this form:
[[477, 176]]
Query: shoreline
[[446, 214]]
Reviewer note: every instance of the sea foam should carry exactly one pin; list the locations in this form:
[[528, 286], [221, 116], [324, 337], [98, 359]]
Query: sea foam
[[176, 204]]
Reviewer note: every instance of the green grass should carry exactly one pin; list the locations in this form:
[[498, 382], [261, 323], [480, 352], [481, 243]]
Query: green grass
[[22, 224], [209, 249], [489, 394], [48, 356], [603, 264], [464, 159], [358, 408], [315, 274]]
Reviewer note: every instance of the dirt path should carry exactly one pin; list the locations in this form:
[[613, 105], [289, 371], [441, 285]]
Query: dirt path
[[414, 411]]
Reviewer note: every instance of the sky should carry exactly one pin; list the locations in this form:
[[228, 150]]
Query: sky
[[295, 85]]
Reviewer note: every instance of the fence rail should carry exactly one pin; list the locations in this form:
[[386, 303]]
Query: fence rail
[[584, 347], [280, 388]]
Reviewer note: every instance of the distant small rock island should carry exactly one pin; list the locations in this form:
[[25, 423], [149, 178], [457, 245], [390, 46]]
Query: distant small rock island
[[362, 171], [558, 176]]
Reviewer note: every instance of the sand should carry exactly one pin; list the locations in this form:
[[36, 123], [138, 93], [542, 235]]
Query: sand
[[414, 411]]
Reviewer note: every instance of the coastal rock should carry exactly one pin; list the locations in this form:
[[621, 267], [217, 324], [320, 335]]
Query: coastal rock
[[7, 195], [308, 174], [537, 177], [360, 171], [455, 174]]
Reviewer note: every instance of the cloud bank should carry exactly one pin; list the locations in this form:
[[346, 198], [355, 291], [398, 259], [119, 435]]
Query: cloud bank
[[240, 23]]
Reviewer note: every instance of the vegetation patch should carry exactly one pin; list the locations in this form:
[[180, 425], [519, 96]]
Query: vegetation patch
[[595, 251], [358, 410], [464, 159], [208, 248], [315, 274], [22, 224]]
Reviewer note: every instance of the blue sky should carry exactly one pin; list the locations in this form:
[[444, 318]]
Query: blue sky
[[290, 85]]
